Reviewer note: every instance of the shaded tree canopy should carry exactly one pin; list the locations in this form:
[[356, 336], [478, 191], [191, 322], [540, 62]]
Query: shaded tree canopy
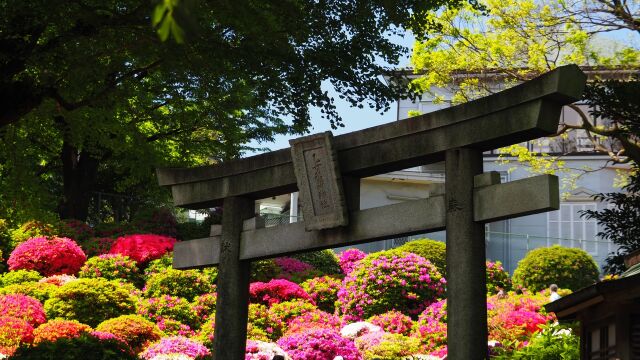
[[93, 100]]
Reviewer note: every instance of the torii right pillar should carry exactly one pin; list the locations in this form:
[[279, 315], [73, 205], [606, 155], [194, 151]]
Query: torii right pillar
[[466, 254]]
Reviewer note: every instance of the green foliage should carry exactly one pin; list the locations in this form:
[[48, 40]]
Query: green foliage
[[182, 283], [90, 301], [135, 330], [264, 270], [553, 342], [324, 291], [159, 265], [111, 267], [390, 347], [37, 290], [568, 268], [192, 230], [77, 348], [169, 307], [19, 277], [29, 230], [326, 261], [620, 224], [432, 250], [497, 277]]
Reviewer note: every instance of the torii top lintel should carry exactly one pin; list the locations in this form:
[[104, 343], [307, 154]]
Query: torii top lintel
[[524, 112]]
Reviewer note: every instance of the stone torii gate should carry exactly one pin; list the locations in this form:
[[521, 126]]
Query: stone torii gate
[[327, 172]]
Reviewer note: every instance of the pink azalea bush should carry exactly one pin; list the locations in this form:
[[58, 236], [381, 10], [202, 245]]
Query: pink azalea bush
[[497, 277], [393, 322], [431, 327], [142, 247], [23, 307], [48, 256], [319, 344], [295, 270], [349, 259], [13, 332], [176, 345], [276, 291], [205, 305], [323, 291], [406, 282], [260, 350], [316, 319], [174, 327]]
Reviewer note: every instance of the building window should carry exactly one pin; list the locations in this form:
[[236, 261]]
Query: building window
[[572, 229], [601, 342]]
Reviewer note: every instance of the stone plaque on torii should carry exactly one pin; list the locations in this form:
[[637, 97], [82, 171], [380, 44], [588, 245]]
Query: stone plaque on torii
[[327, 171]]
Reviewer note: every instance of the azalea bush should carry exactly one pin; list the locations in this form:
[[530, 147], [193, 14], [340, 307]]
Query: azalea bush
[[386, 346], [23, 307], [19, 277], [59, 328], [75, 229], [37, 290], [497, 277], [315, 319], [264, 270], [28, 230], [169, 307], [261, 321], [176, 345], [324, 261], [276, 291], [48, 256], [84, 346], [569, 268], [349, 259], [182, 283], [432, 250], [205, 305], [323, 291], [174, 327], [90, 301], [288, 310], [319, 344], [393, 322], [13, 332], [431, 327], [156, 220], [143, 247], [295, 270], [111, 267], [58, 280], [96, 246], [407, 283], [261, 350], [135, 330]]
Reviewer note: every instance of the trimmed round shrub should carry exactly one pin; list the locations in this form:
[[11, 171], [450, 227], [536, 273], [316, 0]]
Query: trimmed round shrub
[[181, 283], [286, 311], [111, 267], [13, 332], [159, 265], [324, 261], [173, 327], [205, 305], [393, 322], [295, 270], [143, 247], [264, 270], [316, 319], [135, 330], [276, 291], [497, 277], [386, 346], [58, 280], [323, 291], [319, 344], [48, 256], [81, 347], [260, 320], [90, 301], [569, 268], [383, 281], [176, 345], [23, 307], [349, 259], [28, 230], [59, 328], [431, 327], [432, 250], [19, 277], [168, 307], [37, 290]]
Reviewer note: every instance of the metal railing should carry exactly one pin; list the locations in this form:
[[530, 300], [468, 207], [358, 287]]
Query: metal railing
[[586, 245]]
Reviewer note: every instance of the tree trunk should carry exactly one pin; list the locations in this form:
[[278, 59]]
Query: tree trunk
[[79, 176]]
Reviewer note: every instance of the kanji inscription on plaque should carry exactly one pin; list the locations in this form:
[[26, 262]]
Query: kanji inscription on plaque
[[318, 177]]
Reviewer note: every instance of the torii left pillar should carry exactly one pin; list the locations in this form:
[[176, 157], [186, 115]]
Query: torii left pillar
[[233, 276]]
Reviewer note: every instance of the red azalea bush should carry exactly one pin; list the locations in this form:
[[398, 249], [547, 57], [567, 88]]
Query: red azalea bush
[[13, 332], [276, 291], [381, 281], [319, 344], [55, 329], [111, 267], [143, 247], [48, 256], [23, 307], [323, 291], [168, 307], [176, 345], [349, 259], [393, 321], [135, 330], [97, 245]]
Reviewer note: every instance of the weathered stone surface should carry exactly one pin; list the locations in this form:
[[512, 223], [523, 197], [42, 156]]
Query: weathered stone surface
[[524, 112], [319, 182]]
